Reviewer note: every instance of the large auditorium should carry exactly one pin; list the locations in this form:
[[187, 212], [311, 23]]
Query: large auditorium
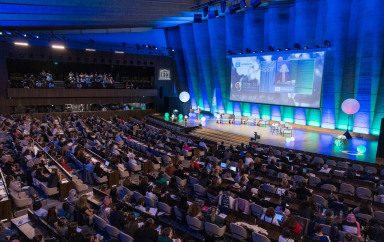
[[191, 120]]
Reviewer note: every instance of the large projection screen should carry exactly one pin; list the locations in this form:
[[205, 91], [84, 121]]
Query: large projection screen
[[280, 78]]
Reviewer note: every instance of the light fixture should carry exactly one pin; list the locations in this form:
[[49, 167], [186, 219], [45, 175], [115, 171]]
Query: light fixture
[[25, 35], [90, 50], [1, 33], [119, 52], [21, 43], [37, 36], [58, 47]]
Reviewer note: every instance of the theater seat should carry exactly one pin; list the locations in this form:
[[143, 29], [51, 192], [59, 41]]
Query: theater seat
[[256, 237], [214, 230], [123, 237]]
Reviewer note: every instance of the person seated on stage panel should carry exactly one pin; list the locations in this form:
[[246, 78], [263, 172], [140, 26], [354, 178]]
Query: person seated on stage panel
[[269, 216], [325, 169]]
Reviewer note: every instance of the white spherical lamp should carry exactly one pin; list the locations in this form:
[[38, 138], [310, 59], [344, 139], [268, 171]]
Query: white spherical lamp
[[184, 97], [350, 106]]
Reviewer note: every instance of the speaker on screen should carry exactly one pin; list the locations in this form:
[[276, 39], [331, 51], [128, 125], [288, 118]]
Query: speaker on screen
[[380, 145]]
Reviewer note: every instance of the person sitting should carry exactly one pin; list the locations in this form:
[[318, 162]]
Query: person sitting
[[269, 216], [286, 236], [365, 208], [194, 210], [167, 235], [375, 230], [325, 169], [130, 225], [147, 232], [319, 236], [351, 225], [39, 210], [302, 192], [140, 205], [291, 224], [52, 217], [116, 217], [53, 179], [98, 170], [149, 194]]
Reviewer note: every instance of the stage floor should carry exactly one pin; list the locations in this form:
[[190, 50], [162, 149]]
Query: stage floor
[[309, 141]]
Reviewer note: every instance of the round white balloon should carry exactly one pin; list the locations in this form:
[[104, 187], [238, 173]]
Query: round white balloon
[[350, 106], [184, 96]]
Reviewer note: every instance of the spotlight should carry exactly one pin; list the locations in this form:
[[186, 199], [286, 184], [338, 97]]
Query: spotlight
[[254, 52], [1, 33], [58, 47], [261, 51], [240, 53], [270, 48], [327, 43], [119, 52], [37, 36], [8, 33], [286, 48], [21, 43], [297, 46], [25, 35], [305, 47], [90, 50], [173, 50], [279, 49]]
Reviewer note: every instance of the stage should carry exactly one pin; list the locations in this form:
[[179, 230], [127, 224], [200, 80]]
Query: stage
[[314, 141]]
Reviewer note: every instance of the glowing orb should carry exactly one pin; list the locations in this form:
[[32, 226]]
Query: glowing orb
[[184, 97]]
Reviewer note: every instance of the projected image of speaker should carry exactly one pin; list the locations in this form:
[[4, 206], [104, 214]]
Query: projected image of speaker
[[380, 144]]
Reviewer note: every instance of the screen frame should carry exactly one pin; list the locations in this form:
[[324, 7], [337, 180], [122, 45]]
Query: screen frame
[[261, 53]]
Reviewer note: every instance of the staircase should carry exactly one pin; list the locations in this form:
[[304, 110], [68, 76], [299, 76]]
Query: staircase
[[219, 136]]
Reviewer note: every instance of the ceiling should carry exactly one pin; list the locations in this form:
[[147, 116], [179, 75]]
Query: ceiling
[[86, 14]]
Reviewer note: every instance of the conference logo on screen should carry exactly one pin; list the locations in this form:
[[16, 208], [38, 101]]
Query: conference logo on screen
[[164, 75]]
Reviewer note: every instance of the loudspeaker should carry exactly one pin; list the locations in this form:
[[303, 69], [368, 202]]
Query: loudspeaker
[[380, 144]]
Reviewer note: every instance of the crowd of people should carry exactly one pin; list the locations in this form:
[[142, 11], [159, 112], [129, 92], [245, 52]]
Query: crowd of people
[[89, 80], [255, 187], [42, 80]]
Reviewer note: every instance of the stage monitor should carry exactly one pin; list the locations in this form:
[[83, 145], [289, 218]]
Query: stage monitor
[[278, 78]]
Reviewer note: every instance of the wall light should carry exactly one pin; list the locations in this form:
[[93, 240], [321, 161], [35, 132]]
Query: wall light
[[21, 43], [58, 47]]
